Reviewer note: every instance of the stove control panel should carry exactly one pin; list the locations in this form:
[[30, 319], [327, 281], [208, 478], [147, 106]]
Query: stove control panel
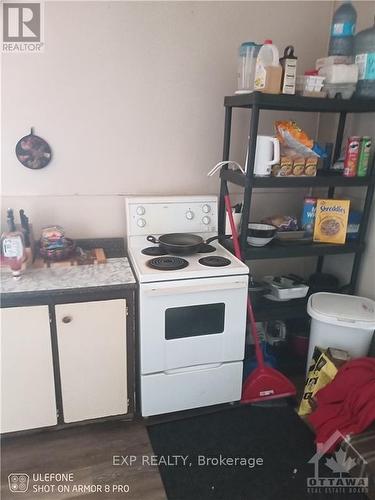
[[175, 214]]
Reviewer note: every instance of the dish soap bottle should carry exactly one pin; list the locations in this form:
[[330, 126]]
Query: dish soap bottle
[[12, 246], [268, 70]]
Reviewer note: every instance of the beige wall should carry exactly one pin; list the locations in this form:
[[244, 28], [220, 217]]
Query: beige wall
[[130, 94], [130, 97]]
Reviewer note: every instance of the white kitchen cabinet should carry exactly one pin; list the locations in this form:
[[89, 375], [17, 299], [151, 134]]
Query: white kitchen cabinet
[[92, 356], [27, 379]]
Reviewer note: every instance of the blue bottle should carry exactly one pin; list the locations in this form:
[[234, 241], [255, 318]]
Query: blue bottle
[[341, 42]]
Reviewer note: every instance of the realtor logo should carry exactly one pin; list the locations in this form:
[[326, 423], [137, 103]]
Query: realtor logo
[[339, 463], [22, 27], [18, 482]]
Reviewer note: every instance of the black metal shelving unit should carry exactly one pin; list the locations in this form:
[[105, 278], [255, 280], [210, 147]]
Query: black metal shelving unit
[[257, 102]]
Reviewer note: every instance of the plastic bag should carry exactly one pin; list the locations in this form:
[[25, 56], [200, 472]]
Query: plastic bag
[[322, 371], [292, 136]]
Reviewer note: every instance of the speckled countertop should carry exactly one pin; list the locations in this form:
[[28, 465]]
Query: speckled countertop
[[116, 271]]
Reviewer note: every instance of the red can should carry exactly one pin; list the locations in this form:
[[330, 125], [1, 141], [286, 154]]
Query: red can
[[351, 156]]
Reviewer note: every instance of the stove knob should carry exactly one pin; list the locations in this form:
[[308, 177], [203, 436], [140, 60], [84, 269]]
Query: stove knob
[[206, 220], [141, 223], [141, 210], [206, 209], [189, 215]]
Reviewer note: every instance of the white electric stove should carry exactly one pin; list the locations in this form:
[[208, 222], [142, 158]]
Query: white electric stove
[[192, 308]]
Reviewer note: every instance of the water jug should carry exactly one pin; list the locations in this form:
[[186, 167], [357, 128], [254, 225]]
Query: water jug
[[364, 50], [342, 31], [268, 69]]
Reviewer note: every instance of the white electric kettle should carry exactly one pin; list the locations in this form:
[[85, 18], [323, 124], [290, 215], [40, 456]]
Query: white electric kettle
[[267, 154]]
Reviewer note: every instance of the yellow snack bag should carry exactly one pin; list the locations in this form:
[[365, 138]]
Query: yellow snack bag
[[322, 371], [331, 220]]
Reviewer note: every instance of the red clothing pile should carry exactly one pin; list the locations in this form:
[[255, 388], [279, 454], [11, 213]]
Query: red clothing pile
[[346, 404]]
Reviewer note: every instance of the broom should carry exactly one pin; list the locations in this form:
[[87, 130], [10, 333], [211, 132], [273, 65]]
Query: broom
[[263, 383]]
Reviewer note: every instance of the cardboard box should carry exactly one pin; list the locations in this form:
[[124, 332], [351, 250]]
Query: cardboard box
[[331, 221]]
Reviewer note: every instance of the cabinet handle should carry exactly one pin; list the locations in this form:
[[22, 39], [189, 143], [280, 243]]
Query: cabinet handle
[[67, 319]]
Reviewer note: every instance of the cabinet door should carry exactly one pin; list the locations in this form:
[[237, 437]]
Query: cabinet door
[[92, 354], [27, 379]]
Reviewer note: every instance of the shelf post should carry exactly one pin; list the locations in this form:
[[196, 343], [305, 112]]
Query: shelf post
[[223, 183], [363, 229], [335, 157], [339, 136], [338, 146], [253, 133]]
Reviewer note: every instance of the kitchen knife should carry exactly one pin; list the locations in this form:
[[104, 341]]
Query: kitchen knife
[[25, 226], [10, 220]]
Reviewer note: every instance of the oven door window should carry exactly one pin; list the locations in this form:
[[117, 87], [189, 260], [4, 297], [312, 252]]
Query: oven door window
[[194, 321]]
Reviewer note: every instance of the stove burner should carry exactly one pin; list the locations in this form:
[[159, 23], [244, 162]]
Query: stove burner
[[214, 261], [205, 248], [156, 251], [168, 263]]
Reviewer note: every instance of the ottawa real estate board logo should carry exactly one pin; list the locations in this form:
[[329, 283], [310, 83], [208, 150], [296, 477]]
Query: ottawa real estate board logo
[[348, 469], [22, 28]]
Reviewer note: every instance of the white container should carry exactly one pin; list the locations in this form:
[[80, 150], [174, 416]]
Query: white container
[[345, 90], [286, 289], [237, 222], [246, 67], [309, 83], [331, 60], [340, 73], [341, 321]]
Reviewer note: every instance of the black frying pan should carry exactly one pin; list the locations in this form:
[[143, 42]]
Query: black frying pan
[[181, 243]]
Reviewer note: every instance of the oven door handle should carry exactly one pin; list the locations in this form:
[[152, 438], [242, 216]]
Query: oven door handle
[[154, 292], [197, 368]]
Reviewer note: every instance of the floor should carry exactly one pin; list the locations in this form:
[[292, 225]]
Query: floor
[[88, 453]]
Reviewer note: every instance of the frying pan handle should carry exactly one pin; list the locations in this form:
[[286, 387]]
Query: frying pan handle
[[224, 237], [152, 239]]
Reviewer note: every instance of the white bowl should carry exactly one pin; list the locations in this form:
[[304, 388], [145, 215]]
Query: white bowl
[[258, 242], [259, 234]]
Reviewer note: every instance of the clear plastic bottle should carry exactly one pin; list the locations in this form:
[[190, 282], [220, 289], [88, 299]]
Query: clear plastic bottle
[[342, 30], [364, 50], [12, 246]]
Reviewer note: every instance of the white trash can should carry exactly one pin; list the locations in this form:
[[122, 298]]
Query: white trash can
[[342, 321]]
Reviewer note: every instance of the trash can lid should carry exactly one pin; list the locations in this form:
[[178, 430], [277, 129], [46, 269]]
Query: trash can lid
[[345, 310]]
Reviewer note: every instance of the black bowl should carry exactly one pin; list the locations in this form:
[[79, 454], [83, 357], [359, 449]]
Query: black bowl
[[258, 230]]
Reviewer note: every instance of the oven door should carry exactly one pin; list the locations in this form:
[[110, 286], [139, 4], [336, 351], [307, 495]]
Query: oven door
[[192, 322]]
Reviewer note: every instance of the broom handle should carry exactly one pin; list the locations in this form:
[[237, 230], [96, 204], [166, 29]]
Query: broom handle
[[236, 245], [237, 252]]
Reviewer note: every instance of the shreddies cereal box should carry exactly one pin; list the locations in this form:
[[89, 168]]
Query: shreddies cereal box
[[331, 220]]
